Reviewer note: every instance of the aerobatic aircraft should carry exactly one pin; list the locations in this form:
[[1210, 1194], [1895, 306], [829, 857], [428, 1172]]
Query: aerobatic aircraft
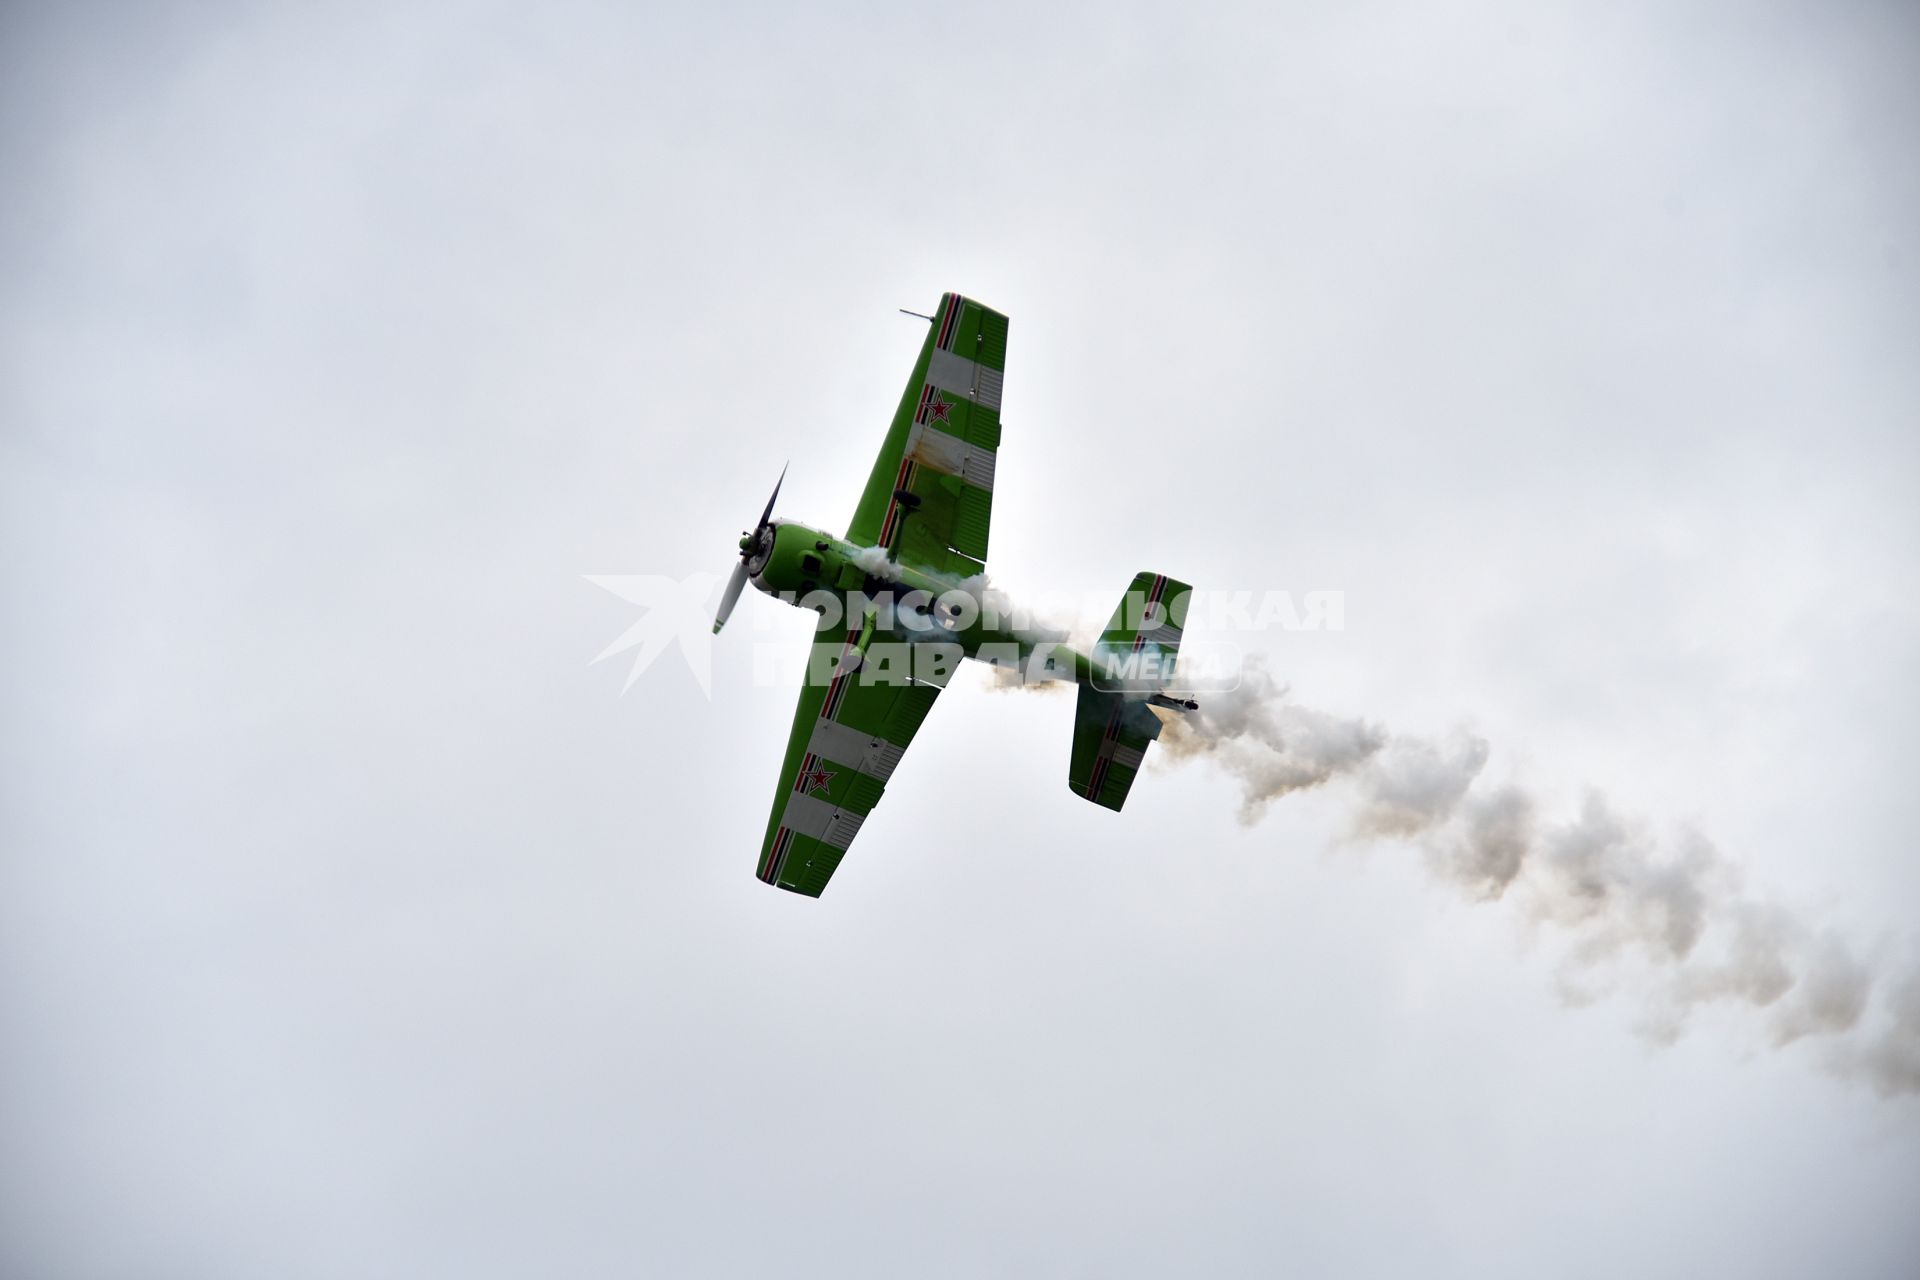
[[900, 603]]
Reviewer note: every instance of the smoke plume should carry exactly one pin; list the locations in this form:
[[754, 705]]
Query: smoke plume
[[1670, 918]]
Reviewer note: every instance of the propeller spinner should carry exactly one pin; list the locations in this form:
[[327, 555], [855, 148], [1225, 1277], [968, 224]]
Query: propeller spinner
[[752, 545]]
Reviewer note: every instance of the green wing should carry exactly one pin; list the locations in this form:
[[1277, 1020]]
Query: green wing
[[930, 497], [849, 731]]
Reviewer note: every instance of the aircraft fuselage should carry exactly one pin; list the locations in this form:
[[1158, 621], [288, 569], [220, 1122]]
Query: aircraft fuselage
[[879, 600]]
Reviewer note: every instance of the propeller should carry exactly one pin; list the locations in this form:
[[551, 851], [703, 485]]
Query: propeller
[[752, 545]]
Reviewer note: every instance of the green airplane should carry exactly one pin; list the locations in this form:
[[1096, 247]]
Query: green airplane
[[901, 602]]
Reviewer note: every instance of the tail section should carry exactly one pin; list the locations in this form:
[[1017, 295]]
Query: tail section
[[1136, 652], [1132, 665]]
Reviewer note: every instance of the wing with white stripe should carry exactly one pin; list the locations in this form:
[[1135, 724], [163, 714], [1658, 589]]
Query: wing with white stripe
[[849, 731], [929, 500]]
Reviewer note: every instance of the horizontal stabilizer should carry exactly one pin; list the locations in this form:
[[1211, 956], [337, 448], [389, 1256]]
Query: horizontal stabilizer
[[1137, 651], [1111, 733], [1133, 662]]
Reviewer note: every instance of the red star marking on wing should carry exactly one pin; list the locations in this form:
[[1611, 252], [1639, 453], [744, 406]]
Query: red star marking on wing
[[818, 779], [939, 409]]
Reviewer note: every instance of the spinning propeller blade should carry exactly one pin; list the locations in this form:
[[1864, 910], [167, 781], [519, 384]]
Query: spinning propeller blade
[[768, 513], [731, 596], [750, 545]]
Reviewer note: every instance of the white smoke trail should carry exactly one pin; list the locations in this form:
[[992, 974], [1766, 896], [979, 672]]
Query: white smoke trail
[[1671, 914]]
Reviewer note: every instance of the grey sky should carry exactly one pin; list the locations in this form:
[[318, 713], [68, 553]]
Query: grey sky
[[351, 924]]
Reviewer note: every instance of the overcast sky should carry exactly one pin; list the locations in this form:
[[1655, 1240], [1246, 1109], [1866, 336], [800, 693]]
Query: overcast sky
[[353, 924]]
